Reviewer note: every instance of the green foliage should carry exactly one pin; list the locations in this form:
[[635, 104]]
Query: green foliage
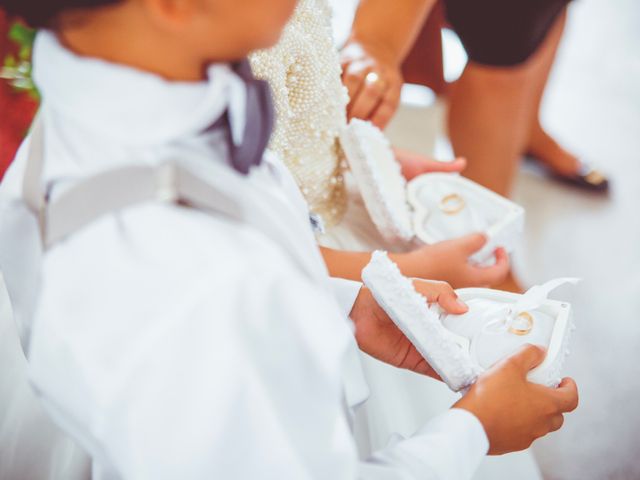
[[16, 69]]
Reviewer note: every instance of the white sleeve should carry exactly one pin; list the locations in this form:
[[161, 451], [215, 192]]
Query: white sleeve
[[269, 401], [346, 292], [11, 184], [238, 376], [449, 447]]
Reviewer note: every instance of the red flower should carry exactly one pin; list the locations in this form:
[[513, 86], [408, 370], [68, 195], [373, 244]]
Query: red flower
[[17, 109]]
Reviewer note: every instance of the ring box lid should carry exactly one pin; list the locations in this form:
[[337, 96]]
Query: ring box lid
[[395, 206]]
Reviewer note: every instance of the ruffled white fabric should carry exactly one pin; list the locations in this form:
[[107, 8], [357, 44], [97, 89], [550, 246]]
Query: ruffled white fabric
[[461, 347], [403, 211], [304, 72], [379, 178], [421, 323]]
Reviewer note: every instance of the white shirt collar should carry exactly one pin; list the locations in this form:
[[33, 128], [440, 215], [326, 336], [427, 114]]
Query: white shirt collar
[[132, 106]]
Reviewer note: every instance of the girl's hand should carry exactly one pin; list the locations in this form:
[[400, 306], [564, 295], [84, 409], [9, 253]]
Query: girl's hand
[[414, 164], [378, 336], [449, 261]]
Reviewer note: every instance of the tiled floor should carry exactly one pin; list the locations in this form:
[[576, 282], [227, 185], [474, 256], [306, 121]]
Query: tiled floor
[[593, 106]]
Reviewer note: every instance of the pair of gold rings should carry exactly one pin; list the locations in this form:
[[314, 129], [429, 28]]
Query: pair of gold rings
[[452, 204], [524, 325]]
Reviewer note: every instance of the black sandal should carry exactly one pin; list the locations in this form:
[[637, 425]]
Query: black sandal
[[586, 178]]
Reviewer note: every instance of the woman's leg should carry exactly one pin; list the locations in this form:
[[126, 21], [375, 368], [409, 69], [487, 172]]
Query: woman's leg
[[493, 115], [488, 122], [541, 144]]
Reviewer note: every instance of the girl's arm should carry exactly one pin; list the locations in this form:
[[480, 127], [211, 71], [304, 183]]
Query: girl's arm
[[447, 261]]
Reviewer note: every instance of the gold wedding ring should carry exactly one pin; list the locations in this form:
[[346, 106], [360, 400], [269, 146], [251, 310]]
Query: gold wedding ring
[[525, 326], [452, 204]]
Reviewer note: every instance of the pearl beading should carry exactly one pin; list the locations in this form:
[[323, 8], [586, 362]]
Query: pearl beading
[[310, 101]]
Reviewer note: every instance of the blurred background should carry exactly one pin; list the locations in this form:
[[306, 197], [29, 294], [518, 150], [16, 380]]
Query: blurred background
[[592, 105]]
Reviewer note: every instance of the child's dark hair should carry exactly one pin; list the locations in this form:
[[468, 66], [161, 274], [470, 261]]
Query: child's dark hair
[[43, 13]]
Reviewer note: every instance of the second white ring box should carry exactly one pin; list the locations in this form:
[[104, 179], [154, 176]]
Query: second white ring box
[[403, 212]]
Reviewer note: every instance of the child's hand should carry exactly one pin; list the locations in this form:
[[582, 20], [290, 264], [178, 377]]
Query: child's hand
[[414, 164], [513, 411], [378, 336], [449, 261]]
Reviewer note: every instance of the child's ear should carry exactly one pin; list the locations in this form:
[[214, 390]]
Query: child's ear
[[172, 14]]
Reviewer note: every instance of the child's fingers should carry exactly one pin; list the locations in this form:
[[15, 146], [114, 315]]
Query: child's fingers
[[435, 166], [472, 243], [448, 299], [456, 166], [527, 358], [495, 273], [442, 294], [567, 396], [450, 303]]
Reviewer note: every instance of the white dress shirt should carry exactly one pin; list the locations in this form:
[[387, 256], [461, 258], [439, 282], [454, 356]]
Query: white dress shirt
[[172, 343]]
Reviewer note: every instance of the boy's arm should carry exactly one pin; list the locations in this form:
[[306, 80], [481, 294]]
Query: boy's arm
[[231, 388], [344, 264], [447, 261], [240, 377], [227, 366]]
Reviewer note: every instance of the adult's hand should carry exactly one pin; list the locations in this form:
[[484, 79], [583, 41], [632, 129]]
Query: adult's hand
[[382, 35], [374, 81]]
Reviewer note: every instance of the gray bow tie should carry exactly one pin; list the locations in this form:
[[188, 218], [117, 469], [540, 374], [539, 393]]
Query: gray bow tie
[[259, 122]]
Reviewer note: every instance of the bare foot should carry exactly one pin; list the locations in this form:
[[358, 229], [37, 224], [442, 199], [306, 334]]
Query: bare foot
[[544, 148]]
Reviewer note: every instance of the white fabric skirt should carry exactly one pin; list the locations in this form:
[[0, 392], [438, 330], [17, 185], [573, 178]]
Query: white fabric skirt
[[31, 446], [400, 401]]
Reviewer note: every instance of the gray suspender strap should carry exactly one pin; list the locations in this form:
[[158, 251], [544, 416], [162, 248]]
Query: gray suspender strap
[[76, 206], [111, 191], [124, 187], [30, 224], [32, 189]]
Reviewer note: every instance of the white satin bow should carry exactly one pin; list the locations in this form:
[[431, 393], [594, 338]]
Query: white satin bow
[[506, 315]]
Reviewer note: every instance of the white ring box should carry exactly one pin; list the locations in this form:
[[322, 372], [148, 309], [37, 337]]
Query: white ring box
[[441, 339], [403, 212]]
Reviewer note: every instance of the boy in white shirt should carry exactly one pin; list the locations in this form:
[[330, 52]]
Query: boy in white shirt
[[194, 332]]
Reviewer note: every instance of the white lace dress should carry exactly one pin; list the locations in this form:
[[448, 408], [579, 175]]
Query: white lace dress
[[304, 72]]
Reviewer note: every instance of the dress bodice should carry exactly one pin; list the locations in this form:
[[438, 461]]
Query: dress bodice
[[304, 72]]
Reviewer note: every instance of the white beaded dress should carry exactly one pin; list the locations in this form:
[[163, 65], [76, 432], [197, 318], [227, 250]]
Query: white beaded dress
[[304, 72]]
